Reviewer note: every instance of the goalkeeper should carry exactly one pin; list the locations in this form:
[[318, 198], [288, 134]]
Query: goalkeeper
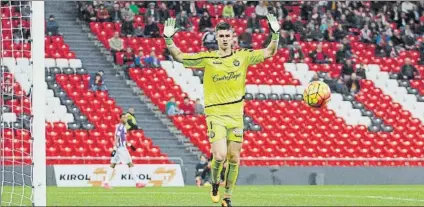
[[224, 88]]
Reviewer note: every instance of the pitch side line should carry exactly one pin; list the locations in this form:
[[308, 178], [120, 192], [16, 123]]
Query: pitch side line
[[272, 194]]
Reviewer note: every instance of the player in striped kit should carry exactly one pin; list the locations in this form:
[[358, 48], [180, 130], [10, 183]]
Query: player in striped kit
[[121, 153]]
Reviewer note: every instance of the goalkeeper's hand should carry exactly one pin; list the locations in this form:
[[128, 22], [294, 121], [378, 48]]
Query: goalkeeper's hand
[[274, 25], [113, 153], [169, 29]]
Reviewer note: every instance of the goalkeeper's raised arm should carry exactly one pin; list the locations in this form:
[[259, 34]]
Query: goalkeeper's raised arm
[[274, 26], [168, 33]]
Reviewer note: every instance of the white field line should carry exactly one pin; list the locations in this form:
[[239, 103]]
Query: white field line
[[269, 194]]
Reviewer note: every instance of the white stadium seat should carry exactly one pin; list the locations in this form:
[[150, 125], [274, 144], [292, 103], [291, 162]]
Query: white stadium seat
[[289, 89], [60, 110], [75, 63], [8, 117], [9, 62], [62, 62], [67, 118], [291, 67], [50, 62], [265, 89], [277, 89], [252, 89]]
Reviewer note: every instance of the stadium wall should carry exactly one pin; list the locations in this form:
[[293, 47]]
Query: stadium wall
[[286, 175]]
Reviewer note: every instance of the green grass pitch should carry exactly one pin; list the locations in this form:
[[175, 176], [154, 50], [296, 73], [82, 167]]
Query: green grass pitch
[[388, 195]]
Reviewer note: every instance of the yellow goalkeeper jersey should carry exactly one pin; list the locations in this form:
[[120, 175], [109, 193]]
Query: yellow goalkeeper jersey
[[224, 80]]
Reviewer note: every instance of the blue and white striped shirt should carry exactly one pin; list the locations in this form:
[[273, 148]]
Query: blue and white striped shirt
[[120, 135]]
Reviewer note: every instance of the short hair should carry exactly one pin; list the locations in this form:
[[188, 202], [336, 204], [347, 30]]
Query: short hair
[[222, 26], [120, 116], [185, 98]]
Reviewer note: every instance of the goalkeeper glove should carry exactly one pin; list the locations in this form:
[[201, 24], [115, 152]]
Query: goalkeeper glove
[[274, 25], [113, 153], [169, 31]]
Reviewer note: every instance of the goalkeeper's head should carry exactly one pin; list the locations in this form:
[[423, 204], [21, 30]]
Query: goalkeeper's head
[[224, 35]]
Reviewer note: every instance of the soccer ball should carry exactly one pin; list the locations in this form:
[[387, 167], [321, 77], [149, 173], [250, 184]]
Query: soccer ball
[[317, 94]]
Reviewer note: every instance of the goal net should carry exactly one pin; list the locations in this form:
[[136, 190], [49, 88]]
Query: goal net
[[22, 143]]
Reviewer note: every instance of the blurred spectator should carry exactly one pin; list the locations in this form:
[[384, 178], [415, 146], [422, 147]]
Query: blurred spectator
[[279, 11], [139, 32], [152, 61], [245, 40], [198, 108], [366, 35], [315, 78], [163, 13], [127, 12], [52, 27], [167, 55], [397, 39], [139, 60], [171, 107], [129, 57], [116, 45], [296, 54], [341, 87], [318, 56], [115, 13], [353, 84], [390, 50], [291, 38], [209, 40], [152, 12], [249, 10], [347, 70], [21, 34], [339, 33], [341, 54], [7, 90], [135, 8], [239, 8], [183, 23], [127, 28], [298, 26], [151, 29], [253, 24], [421, 50], [90, 15], [186, 107], [205, 23], [203, 171], [360, 72], [26, 11], [99, 84], [131, 120], [409, 38], [261, 10], [288, 24], [102, 14], [408, 71], [228, 11]]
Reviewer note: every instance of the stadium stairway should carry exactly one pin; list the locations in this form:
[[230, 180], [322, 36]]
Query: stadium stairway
[[93, 60]]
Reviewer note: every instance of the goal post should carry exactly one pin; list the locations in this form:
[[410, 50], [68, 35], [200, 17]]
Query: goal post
[[38, 105]]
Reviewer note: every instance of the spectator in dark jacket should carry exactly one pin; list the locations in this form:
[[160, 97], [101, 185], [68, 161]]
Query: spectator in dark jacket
[[296, 54], [127, 28], [360, 72], [288, 24], [90, 14], [205, 23], [151, 29], [163, 13], [138, 31], [183, 23], [52, 27], [253, 24], [353, 84], [99, 84], [152, 12], [129, 57], [115, 13], [239, 8], [341, 55], [152, 61], [347, 70], [245, 40], [408, 71]]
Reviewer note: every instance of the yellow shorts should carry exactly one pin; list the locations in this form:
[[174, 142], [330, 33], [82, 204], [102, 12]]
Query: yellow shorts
[[225, 127]]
